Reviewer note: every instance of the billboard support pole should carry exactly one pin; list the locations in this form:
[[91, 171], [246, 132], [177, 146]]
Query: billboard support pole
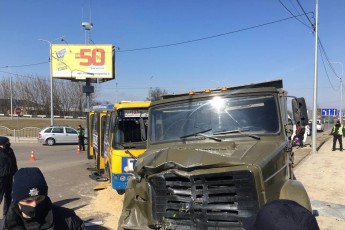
[[87, 26]]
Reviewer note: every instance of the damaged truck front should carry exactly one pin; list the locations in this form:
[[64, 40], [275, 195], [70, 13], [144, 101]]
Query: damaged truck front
[[214, 158]]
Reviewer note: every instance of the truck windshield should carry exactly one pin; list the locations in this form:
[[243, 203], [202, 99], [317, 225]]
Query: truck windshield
[[219, 116]]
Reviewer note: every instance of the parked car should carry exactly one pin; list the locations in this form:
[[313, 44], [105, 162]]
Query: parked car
[[58, 135], [319, 125], [309, 128]]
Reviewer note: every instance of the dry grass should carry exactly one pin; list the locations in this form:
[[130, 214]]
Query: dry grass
[[21, 122]]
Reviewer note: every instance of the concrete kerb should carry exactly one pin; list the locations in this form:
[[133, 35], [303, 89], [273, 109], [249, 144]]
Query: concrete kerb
[[23, 140], [323, 142]]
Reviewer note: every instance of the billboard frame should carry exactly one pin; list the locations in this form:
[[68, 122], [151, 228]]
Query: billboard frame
[[78, 62]]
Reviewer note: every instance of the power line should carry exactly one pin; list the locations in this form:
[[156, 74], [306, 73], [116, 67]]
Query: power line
[[328, 61], [31, 77], [26, 65], [15, 74], [312, 24], [293, 14], [322, 49], [324, 66], [213, 36], [183, 42], [293, 5]]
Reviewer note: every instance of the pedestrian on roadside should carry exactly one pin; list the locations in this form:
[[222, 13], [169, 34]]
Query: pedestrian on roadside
[[300, 130], [8, 167], [31, 208], [337, 132], [81, 137]]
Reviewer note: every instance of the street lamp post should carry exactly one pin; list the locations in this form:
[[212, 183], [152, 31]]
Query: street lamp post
[[341, 90], [51, 78]]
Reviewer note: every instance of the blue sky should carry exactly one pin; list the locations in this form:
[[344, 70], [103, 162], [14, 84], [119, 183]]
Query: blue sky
[[281, 50]]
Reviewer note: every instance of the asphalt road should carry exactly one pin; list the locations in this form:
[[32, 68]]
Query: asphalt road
[[66, 173]]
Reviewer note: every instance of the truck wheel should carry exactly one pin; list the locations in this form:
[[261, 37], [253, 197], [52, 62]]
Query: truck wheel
[[120, 192]]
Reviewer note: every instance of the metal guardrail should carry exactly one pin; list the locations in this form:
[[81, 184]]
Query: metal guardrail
[[27, 132]]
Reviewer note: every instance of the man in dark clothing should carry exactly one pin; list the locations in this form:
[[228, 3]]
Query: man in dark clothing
[[81, 136], [337, 133], [31, 208], [8, 167], [284, 214]]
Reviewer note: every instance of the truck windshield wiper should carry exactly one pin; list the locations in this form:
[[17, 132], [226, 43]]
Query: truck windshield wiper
[[131, 154], [240, 131], [127, 146], [200, 133]]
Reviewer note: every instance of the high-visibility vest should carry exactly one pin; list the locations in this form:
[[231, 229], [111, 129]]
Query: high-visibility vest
[[340, 130], [80, 132]]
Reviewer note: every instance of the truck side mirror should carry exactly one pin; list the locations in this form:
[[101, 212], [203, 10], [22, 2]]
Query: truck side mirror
[[299, 111]]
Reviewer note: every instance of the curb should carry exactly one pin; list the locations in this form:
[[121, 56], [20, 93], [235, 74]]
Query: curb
[[23, 140], [323, 142]]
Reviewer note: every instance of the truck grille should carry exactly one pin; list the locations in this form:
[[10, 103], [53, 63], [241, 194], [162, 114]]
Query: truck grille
[[211, 201]]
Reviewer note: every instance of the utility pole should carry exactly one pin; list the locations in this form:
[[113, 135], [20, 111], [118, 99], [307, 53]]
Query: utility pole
[[315, 78], [11, 97]]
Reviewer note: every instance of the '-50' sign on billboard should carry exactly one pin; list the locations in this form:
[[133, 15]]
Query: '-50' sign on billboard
[[82, 61]]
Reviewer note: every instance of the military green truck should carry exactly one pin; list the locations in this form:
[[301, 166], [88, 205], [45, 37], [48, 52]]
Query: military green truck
[[214, 158]]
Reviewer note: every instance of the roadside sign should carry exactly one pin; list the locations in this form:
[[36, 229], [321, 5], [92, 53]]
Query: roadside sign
[[329, 112], [342, 114], [18, 111]]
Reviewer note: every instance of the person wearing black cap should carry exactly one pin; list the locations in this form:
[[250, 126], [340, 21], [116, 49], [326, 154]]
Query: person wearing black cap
[[31, 208], [284, 215], [337, 133], [8, 166]]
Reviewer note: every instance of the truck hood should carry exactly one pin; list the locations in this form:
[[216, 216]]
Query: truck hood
[[202, 155]]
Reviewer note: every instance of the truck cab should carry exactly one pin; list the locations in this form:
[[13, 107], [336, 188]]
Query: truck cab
[[213, 158]]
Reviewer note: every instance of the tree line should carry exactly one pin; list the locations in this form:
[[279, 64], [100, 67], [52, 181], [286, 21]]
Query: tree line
[[32, 95]]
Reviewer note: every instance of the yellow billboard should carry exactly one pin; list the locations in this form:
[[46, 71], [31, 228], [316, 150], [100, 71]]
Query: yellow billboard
[[82, 61]]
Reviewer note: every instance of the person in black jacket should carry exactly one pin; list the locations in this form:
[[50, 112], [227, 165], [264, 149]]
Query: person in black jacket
[[284, 215], [8, 167], [338, 132], [31, 208], [81, 137]]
